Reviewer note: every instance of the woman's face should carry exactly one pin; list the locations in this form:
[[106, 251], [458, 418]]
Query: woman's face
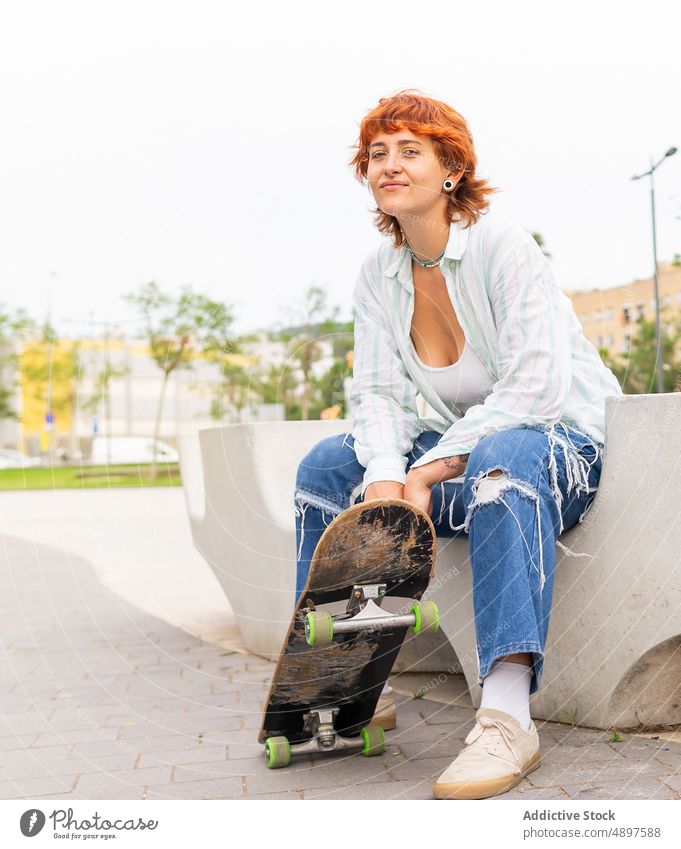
[[412, 163]]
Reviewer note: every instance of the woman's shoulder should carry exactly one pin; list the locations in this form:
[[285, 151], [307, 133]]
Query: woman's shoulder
[[495, 236], [381, 260], [494, 226]]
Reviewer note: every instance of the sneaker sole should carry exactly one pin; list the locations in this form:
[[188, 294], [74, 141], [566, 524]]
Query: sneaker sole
[[484, 789]]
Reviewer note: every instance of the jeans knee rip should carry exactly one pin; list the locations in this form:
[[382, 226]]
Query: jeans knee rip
[[488, 489], [303, 500], [577, 468]]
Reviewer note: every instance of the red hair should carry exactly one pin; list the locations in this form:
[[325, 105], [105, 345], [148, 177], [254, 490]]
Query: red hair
[[453, 142]]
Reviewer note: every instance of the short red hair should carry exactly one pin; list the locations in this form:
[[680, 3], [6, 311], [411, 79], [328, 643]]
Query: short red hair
[[411, 110]]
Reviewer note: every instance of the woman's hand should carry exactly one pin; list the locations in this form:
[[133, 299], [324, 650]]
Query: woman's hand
[[383, 489], [417, 487], [417, 490], [414, 490]]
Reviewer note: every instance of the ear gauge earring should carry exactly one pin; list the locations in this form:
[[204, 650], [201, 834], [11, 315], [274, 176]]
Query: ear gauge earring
[[448, 185]]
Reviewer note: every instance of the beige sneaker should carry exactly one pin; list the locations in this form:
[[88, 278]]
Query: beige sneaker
[[497, 755], [385, 714]]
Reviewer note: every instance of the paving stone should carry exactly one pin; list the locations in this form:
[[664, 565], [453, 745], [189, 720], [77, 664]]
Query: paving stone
[[219, 788], [105, 748], [84, 735], [560, 775], [245, 750], [525, 790], [636, 748], [446, 747], [291, 794], [213, 769], [16, 742], [645, 788], [121, 779], [104, 792], [390, 790], [27, 788], [429, 733], [58, 766], [332, 771], [201, 755], [673, 781], [552, 752], [422, 768]]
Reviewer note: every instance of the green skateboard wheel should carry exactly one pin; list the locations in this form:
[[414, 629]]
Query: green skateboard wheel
[[318, 628], [374, 740], [427, 617], [278, 752]]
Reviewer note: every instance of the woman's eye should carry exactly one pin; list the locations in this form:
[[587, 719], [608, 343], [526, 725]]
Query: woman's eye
[[406, 150]]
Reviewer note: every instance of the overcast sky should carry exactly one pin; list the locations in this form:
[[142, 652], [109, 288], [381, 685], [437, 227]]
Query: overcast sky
[[175, 142]]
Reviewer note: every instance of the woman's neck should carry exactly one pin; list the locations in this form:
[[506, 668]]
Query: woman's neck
[[426, 238]]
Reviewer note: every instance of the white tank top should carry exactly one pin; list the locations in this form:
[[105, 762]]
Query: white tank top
[[464, 383]]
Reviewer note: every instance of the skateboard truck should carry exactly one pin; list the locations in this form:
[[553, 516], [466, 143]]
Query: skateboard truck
[[367, 615], [323, 738]]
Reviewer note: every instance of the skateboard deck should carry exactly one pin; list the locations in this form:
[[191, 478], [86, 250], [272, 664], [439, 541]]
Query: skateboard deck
[[336, 666]]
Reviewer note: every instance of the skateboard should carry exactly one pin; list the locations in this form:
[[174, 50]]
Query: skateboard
[[333, 665]]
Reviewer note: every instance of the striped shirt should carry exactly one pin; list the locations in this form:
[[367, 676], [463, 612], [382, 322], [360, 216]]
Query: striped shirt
[[514, 315]]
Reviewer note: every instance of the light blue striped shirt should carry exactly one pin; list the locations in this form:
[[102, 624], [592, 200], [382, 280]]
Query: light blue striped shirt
[[514, 315]]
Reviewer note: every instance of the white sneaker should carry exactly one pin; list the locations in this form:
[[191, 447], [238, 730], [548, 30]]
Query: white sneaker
[[385, 714], [496, 756]]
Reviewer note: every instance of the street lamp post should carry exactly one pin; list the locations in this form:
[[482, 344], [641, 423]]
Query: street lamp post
[[658, 334]]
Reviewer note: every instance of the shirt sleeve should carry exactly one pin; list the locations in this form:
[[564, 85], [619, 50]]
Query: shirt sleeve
[[382, 395], [534, 355]]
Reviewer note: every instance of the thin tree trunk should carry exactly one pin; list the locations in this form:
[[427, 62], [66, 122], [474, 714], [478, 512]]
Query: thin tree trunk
[[157, 428]]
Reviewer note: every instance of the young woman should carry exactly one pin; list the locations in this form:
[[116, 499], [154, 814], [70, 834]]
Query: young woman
[[462, 308]]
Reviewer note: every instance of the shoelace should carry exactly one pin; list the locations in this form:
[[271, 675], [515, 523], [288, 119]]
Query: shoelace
[[508, 735]]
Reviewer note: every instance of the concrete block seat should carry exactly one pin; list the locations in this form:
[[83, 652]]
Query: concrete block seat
[[613, 654]]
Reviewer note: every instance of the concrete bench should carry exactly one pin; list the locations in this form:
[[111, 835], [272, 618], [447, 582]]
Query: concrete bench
[[613, 654]]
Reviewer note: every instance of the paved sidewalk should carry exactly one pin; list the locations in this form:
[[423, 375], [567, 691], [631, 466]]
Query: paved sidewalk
[[102, 701]]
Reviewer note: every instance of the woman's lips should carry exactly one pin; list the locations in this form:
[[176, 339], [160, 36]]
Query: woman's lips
[[391, 186]]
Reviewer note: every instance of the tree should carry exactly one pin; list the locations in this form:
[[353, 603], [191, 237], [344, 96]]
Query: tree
[[178, 329], [278, 386], [636, 375], [331, 388], [238, 390], [316, 320], [13, 328], [102, 392], [540, 241]]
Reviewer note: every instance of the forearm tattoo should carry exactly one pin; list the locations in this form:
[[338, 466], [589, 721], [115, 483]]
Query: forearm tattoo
[[456, 464]]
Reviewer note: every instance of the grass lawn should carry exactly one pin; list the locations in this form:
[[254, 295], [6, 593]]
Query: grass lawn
[[87, 477]]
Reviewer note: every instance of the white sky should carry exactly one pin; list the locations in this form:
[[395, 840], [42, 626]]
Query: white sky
[[176, 142]]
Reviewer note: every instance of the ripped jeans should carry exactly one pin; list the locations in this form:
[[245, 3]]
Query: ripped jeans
[[549, 478]]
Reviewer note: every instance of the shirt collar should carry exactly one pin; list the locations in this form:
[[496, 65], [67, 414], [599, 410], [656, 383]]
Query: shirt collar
[[400, 267]]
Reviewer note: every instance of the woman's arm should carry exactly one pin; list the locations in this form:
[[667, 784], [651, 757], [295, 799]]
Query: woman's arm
[[383, 395]]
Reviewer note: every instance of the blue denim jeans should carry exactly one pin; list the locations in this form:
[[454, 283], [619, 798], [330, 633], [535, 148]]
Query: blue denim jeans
[[549, 478]]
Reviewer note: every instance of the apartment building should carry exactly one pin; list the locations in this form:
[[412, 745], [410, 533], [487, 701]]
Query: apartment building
[[608, 316]]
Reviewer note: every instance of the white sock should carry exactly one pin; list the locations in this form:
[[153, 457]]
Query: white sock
[[507, 688]]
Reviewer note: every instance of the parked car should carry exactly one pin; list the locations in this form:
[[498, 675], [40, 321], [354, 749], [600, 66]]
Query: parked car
[[16, 460], [131, 449]]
